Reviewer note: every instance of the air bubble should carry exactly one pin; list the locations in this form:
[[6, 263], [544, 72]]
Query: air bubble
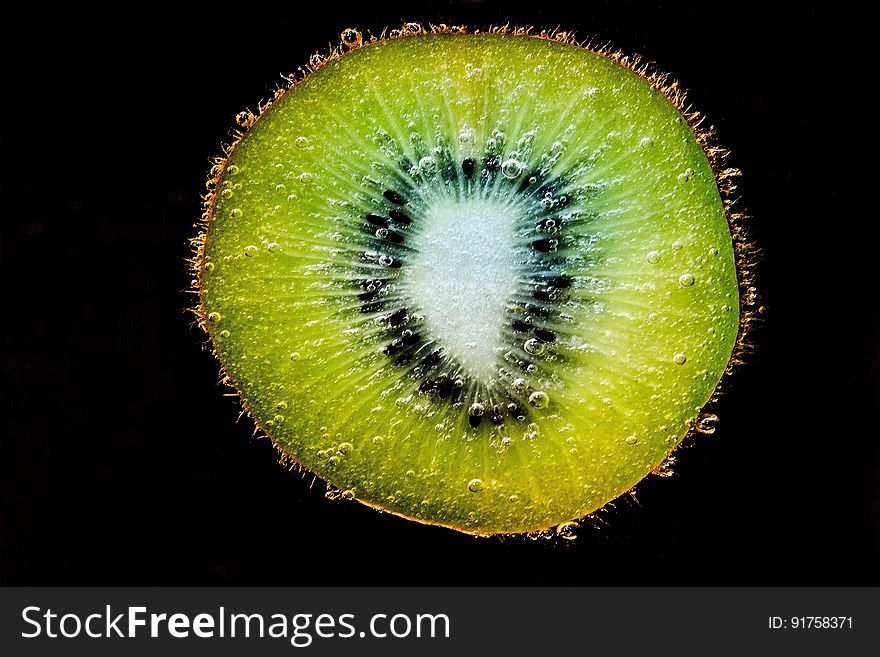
[[232, 170], [713, 251], [345, 448], [533, 346], [511, 168], [567, 530], [302, 142], [427, 164], [706, 424], [475, 485], [209, 267], [272, 247], [646, 142], [250, 250], [226, 193], [305, 178], [653, 257], [278, 419], [378, 440], [224, 334], [281, 405], [235, 212], [632, 440], [679, 359], [539, 69], [214, 317], [351, 37], [539, 399], [295, 355], [466, 135], [476, 409], [386, 260], [686, 279], [519, 383], [686, 175]]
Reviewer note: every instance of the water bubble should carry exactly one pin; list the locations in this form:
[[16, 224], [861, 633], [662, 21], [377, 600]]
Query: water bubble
[[713, 251], [347, 494], [533, 346], [519, 383], [511, 168], [607, 401], [214, 317], [567, 530], [513, 498], [345, 448], [226, 193], [278, 419], [539, 69], [679, 358], [351, 37], [334, 460], [224, 334], [305, 178], [235, 212], [466, 135], [232, 170], [686, 279], [301, 142], [705, 424], [653, 257], [475, 485], [646, 142], [378, 440], [686, 175], [209, 267], [476, 409], [295, 355], [281, 405], [632, 440], [250, 250], [539, 399], [386, 260], [427, 164], [272, 247], [381, 233]]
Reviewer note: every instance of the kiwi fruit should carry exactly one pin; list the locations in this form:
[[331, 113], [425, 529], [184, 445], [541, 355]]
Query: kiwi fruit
[[487, 280]]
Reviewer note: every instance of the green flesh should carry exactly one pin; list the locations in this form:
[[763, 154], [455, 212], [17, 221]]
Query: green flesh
[[645, 243]]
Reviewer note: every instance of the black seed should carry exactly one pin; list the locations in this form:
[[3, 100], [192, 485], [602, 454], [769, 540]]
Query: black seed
[[433, 358], [444, 386], [427, 385], [474, 420], [538, 311], [543, 293], [561, 282], [394, 237], [394, 197], [400, 218], [545, 335], [520, 325], [492, 163], [397, 317], [410, 338], [395, 264], [516, 411], [495, 416], [543, 246], [373, 307], [369, 294], [376, 220], [467, 165], [403, 359]]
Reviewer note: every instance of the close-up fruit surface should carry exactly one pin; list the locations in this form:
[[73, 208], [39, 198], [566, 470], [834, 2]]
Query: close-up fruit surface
[[483, 280]]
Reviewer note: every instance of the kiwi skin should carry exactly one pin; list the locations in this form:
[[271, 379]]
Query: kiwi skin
[[725, 176]]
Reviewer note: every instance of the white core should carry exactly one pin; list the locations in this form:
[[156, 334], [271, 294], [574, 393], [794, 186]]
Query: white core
[[462, 277]]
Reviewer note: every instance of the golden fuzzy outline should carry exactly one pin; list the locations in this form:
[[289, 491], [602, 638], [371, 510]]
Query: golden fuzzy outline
[[746, 254]]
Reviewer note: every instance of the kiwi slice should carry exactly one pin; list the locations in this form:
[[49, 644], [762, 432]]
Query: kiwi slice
[[481, 280]]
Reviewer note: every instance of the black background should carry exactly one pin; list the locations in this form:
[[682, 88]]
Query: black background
[[122, 463]]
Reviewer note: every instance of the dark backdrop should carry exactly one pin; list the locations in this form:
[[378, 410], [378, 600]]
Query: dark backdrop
[[122, 463]]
